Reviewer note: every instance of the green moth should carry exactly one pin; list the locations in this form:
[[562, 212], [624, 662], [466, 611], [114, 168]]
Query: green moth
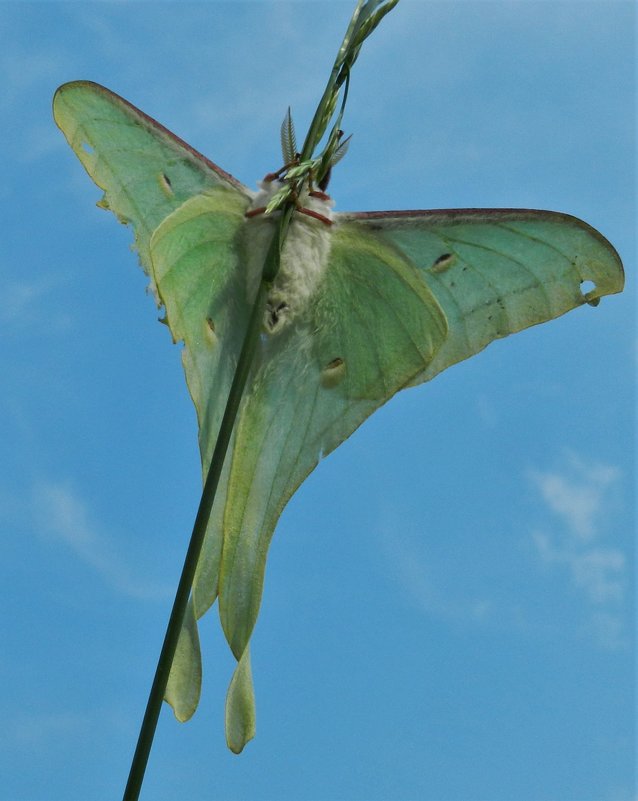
[[365, 304]]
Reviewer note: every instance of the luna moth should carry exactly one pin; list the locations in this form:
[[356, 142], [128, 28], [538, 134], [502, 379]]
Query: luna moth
[[365, 304]]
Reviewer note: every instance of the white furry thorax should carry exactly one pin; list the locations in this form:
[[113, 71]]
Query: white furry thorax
[[303, 259]]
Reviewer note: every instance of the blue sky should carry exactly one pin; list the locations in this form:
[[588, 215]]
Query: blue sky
[[448, 604]]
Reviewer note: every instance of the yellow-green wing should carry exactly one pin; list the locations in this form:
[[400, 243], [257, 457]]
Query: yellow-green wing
[[146, 171], [497, 271], [196, 263], [148, 174], [371, 327], [370, 332]]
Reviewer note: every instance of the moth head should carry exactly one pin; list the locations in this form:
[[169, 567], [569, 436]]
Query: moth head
[[276, 314]]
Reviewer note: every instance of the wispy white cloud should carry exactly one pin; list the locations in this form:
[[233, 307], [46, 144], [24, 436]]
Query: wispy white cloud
[[27, 301], [581, 497], [28, 730], [20, 299], [599, 572], [63, 516], [411, 569], [37, 730], [577, 494]]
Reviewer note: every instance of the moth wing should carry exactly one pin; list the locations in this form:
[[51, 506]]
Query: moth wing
[[146, 171], [498, 271], [163, 188], [371, 328], [405, 295], [196, 260]]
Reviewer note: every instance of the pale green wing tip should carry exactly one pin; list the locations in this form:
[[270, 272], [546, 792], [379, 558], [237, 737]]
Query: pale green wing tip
[[185, 679], [61, 90], [71, 87], [240, 706], [67, 115], [604, 267]]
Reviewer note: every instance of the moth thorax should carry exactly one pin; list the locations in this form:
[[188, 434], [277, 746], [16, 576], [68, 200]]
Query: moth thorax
[[303, 258]]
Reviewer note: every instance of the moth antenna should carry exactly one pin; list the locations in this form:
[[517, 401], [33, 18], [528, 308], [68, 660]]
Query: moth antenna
[[341, 151], [288, 139]]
